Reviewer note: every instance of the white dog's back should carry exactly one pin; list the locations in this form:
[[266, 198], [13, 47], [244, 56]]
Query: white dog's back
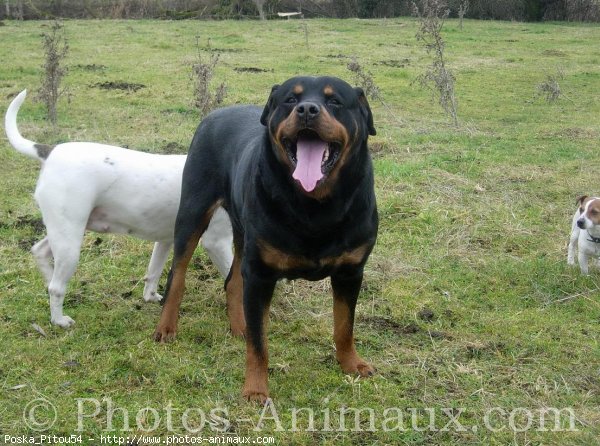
[[124, 191]]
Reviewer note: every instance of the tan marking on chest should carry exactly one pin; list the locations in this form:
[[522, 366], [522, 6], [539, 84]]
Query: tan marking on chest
[[282, 261]]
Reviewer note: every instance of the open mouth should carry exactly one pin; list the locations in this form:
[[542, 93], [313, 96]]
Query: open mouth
[[311, 157]]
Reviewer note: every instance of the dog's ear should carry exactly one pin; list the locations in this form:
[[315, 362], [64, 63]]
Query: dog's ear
[[365, 110], [581, 199], [267, 109]]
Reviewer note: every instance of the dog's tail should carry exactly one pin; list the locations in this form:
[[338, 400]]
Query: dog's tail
[[26, 147]]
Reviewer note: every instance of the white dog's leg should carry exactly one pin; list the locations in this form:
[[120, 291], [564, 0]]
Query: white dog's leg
[[572, 243], [66, 256], [155, 269], [217, 240], [583, 261], [43, 256]]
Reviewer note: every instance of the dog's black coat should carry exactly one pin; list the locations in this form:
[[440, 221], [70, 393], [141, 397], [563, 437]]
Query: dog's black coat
[[238, 160]]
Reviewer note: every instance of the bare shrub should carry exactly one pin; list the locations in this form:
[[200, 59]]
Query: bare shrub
[[203, 72], [463, 7], [549, 88], [364, 79], [261, 10], [436, 77], [55, 49]]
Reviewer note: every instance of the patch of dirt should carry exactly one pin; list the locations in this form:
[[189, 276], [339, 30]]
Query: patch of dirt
[[478, 349], [386, 324], [251, 70], [435, 334], [202, 271], [426, 314], [34, 222], [338, 56], [173, 148], [572, 133], [223, 50], [91, 67], [119, 85], [552, 52], [394, 63], [27, 243]]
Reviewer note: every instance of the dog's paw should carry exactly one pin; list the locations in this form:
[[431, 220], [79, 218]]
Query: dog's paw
[[238, 330], [164, 334], [63, 322], [365, 369], [152, 297], [255, 396], [360, 366]]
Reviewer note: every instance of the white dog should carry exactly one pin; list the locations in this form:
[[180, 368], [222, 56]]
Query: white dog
[[84, 185], [585, 232]]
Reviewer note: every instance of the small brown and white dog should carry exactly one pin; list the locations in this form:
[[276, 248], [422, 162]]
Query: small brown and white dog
[[90, 186], [585, 232]]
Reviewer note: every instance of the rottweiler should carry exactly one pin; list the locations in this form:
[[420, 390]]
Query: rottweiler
[[296, 178]]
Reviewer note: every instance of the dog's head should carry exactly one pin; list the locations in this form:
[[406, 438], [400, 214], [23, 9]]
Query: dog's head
[[315, 124], [589, 212]]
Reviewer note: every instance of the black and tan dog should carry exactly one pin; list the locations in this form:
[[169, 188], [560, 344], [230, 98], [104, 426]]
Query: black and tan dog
[[297, 181]]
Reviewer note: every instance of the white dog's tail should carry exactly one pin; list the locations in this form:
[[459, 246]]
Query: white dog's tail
[[26, 147]]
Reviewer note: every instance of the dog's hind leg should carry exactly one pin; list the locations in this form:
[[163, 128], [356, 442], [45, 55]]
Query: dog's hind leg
[[160, 253], [66, 256], [192, 220], [235, 301], [217, 241], [43, 256]]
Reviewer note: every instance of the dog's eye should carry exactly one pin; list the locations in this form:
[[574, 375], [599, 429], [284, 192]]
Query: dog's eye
[[291, 100], [334, 102]]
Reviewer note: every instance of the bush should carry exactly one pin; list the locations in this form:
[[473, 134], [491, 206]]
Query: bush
[[572, 10]]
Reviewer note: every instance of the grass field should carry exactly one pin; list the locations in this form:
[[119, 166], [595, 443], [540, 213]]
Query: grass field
[[468, 308]]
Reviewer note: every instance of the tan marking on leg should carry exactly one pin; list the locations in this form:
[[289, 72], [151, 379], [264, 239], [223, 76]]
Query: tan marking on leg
[[167, 326], [235, 298], [346, 353], [256, 386]]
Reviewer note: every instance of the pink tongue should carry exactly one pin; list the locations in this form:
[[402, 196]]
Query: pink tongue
[[309, 154]]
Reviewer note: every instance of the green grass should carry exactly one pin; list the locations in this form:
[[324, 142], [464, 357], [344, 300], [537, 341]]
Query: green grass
[[468, 302]]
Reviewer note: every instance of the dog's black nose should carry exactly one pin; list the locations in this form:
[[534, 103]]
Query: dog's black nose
[[308, 111], [580, 223]]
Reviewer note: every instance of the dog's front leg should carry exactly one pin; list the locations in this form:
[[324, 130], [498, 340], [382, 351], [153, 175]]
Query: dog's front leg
[[572, 244], [257, 300], [582, 258], [346, 287], [160, 253]]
